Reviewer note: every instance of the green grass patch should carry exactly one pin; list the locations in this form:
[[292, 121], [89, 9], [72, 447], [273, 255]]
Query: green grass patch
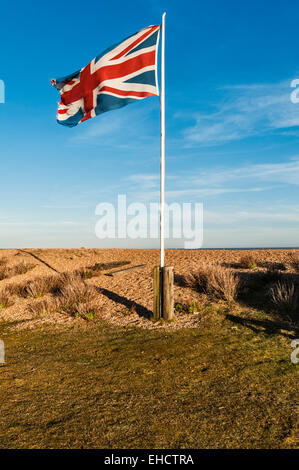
[[222, 385]]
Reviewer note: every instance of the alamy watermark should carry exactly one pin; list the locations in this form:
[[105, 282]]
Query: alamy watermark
[[2, 92], [2, 352], [295, 353], [183, 221], [295, 93]]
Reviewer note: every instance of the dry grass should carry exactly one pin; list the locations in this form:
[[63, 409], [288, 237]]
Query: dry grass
[[293, 262], [215, 281], [286, 298], [248, 261], [42, 307], [250, 286], [45, 285], [78, 299], [70, 295], [35, 288], [5, 298], [11, 271], [3, 261], [60, 281], [97, 268]]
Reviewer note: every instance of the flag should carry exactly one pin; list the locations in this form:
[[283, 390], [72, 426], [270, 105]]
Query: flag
[[122, 74]]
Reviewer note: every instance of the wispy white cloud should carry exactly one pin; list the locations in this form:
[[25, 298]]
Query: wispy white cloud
[[218, 180], [106, 127], [50, 223], [123, 128], [208, 192], [178, 194], [247, 110], [146, 178], [286, 172], [253, 217], [65, 206]]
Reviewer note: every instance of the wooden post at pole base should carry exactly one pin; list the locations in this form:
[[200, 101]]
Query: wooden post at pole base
[[157, 294], [167, 298], [163, 293]]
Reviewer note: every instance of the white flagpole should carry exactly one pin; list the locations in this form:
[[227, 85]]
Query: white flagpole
[[162, 158]]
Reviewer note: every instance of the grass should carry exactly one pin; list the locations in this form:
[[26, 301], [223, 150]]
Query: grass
[[285, 296], [229, 383], [293, 262], [223, 385], [215, 281], [3, 261], [248, 261], [191, 307], [97, 268], [5, 298], [37, 287], [70, 295], [10, 271]]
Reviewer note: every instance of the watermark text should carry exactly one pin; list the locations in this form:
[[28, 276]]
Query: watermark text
[[2, 91], [140, 221], [2, 352]]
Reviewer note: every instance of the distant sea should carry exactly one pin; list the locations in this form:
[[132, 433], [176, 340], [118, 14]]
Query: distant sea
[[170, 248], [244, 248]]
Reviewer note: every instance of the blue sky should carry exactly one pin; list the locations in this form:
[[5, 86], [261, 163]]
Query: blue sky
[[232, 130]]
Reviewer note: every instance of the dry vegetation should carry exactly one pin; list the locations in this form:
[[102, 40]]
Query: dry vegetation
[[248, 262], [99, 267], [293, 262], [67, 293], [5, 298], [285, 296], [71, 296], [11, 271], [220, 375], [260, 280], [215, 281], [275, 284]]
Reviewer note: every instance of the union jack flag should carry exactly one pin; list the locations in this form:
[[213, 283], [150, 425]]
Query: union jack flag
[[122, 74]]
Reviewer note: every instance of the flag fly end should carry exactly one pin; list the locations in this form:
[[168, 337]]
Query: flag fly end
[[123, 74]]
